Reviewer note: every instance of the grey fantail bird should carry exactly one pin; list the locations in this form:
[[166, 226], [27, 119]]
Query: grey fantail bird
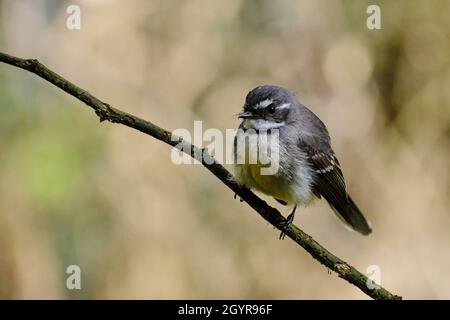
[[308, 167]]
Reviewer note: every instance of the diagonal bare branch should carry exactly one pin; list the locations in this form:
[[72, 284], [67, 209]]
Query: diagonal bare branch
[[105, 112]]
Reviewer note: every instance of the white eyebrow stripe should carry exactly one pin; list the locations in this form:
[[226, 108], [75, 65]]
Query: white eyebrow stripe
[[263, 104], [284, 105]]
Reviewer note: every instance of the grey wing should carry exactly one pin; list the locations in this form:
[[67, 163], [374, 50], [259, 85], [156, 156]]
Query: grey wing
[[329, 182]]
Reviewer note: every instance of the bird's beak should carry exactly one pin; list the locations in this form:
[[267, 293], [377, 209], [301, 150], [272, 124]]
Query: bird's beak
[[245, 114]]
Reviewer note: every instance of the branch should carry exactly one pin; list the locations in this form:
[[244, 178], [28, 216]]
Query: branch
[[105, 112]]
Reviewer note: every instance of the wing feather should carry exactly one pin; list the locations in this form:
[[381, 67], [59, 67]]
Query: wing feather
[[329, 182]]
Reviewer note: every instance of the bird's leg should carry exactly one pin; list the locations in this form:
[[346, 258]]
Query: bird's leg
[[240, 199], [287, 223]]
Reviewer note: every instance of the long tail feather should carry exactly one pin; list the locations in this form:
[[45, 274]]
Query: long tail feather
[[353, 217]]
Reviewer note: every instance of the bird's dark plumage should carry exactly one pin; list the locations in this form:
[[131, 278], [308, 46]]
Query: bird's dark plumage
[[329, 183]]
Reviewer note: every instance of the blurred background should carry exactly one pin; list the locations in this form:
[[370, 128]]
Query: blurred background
[[109, 199]]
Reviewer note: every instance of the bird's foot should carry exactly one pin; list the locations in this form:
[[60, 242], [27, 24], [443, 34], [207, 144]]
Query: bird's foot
[[287, 223], [243, 188], [240, 199]]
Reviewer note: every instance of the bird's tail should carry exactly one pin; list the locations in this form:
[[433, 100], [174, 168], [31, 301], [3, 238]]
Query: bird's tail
[[352, 216]]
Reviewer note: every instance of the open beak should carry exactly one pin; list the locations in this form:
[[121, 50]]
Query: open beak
[[245, 114]]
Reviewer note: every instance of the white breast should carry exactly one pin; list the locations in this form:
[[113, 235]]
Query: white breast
[[296, 190], [302, 188]]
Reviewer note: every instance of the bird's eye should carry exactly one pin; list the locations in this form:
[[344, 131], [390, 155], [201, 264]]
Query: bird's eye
[[271, 108]]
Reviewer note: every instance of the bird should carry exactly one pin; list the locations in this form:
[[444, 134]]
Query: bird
[[307, 168]]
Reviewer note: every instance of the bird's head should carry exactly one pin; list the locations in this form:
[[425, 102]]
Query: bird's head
[[267, 107]]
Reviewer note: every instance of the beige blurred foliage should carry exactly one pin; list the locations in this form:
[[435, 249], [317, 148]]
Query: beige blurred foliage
[[107, 198]]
